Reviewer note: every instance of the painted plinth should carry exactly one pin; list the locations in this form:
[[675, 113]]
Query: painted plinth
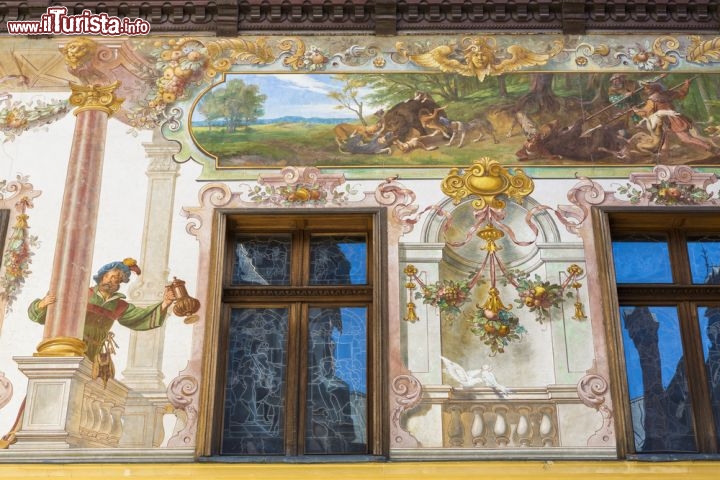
[[66, 407]]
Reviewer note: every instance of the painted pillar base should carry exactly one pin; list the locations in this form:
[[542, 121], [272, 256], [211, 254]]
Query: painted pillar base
[[53, 406], [143, 420], [66, 408]]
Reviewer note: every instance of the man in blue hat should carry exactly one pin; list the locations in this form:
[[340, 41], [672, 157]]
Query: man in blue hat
[[105, 306]]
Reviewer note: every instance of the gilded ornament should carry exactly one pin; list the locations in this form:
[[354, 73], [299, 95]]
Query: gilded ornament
[[480, 57], [296, 50], [79, 52], [665, 48], [410, 314], [491, 235], [494, 304], [95, 97], [61, 347], [703, 52], [488, 180], [224, 53]]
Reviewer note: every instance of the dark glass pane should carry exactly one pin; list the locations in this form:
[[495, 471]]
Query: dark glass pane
[[709, 318], [253, 422], [657, 381], [641, 260], [262, 260], [704, 254], [336, 421], [338, 260]]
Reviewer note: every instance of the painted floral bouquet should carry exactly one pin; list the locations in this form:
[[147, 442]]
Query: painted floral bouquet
[[538, 296], [496, 330], [673, 193], [447, 295]]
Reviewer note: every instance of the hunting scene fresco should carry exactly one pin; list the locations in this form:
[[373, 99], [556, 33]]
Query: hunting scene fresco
[[446, 119]]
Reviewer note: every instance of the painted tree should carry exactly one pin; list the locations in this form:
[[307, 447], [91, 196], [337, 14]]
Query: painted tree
[[349, 95], [541, 97], [211, 108], [236, 104]]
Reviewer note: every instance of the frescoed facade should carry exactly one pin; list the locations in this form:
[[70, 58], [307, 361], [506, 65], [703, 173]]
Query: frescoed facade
[[240, 253]]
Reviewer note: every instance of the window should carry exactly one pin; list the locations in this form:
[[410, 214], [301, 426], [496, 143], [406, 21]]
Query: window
[[667, 274], [299, 357]]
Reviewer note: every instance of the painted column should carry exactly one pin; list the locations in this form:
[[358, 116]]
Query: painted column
[[78, 218], [421, 340], [144, 367], [143, 374], [59, 403]]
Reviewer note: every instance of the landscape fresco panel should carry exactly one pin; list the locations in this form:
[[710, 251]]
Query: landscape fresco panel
[[443, 120]]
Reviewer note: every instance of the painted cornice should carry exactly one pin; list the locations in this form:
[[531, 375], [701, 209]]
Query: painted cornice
[[388, 17]]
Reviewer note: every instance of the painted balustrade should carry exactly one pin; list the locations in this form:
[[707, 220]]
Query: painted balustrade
[[102, 411], [500, 424]]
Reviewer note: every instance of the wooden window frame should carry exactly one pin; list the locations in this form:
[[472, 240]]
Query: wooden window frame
[[229, 225], [678, 224]]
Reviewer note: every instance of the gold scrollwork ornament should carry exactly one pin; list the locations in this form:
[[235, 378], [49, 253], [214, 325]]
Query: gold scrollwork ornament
[[487, 180]]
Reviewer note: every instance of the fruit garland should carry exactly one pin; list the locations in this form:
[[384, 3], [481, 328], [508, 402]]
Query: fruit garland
[[18, 255], [447, 295], [494, 322]]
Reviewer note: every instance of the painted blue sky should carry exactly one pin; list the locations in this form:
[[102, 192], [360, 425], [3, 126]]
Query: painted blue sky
[[296, 95]]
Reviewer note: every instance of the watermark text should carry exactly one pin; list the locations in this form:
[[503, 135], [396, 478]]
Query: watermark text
[[57, 22]]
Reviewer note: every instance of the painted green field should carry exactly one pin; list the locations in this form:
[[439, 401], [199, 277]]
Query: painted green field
[[314, 144]]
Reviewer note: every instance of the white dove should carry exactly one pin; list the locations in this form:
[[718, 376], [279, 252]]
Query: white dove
[[488, 378], [468, 378], [471, 378]]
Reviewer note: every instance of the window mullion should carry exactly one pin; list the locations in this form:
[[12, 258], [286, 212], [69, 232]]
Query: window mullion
[[292, 402], [679, 261], [297, 259], [697, 378], [302, 367]]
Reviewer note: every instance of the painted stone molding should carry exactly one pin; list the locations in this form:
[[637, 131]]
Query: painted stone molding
[[406, 394], [401, 201], [304, 186], [582, 196], [181, 393], [669, 186], [594, 392]]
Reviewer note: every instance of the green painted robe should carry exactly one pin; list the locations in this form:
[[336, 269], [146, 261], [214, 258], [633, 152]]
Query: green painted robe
[[101, 314]]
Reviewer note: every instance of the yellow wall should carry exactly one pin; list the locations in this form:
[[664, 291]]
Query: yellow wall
[[411, 470]]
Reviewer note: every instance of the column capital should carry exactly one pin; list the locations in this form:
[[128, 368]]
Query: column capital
[[95, 97]]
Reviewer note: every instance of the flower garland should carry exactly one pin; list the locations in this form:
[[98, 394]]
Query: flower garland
[[446, 295], [18, 254], [536, 295], [667, 193], [17, 117]]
